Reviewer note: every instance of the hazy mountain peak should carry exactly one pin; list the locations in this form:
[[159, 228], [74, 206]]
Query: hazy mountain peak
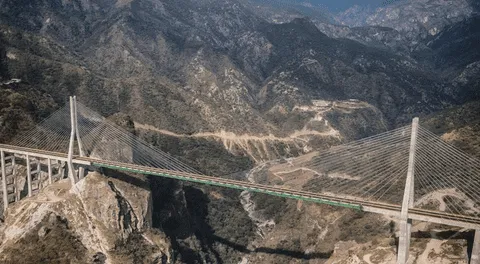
[[355, 16], [415, 19]]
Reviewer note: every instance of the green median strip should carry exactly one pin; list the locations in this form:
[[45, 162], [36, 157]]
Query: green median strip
[[232, 186]]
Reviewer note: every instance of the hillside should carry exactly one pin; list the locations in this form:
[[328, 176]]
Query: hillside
[[228, 86]]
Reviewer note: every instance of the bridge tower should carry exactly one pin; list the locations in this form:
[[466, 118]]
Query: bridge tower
[[408, 199], [74, 134]]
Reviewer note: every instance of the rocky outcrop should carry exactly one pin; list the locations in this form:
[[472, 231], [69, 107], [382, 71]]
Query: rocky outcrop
[[100, 217]]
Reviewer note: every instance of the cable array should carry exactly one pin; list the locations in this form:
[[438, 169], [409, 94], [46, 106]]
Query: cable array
[[100, 138], [52, 134], [445, 177], [103, 139], [370, 169], [373, 168]]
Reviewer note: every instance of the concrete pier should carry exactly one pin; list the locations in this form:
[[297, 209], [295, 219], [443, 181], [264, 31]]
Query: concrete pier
[[14, 173], [475, 257], [4, 181], [49, 166], [29, 176], [38, 174]]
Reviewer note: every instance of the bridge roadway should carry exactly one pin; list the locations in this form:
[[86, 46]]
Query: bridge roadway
[[348, 202]]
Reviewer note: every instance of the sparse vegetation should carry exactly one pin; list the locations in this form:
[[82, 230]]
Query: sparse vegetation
[[50, 242]]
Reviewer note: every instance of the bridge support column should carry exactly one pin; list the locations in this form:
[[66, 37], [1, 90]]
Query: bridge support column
[[29, 176], [49, 166], [408, 199], [475, 257], [39, 174], [61, 170], [14, 172], [4, 181]]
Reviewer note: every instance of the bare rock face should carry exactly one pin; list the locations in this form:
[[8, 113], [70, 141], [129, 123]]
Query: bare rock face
[[99, 220], [125, 210]]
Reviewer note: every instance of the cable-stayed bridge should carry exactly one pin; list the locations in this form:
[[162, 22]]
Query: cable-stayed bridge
[[407, 173]]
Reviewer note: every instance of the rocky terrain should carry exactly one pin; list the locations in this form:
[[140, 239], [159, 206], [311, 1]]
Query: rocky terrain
[[259, 71], [317, 228], [100, 220], [285, 11], [226, 86], [459, 126]]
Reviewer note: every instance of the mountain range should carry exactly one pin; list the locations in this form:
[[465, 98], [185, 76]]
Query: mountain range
[[189, 66], [241, 81]]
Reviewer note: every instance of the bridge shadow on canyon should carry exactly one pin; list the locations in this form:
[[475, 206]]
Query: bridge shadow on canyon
[[276, 251], [221, 226], [196, 220], [468, 236]]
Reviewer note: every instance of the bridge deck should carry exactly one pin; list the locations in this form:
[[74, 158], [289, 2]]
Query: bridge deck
[[367, 206]]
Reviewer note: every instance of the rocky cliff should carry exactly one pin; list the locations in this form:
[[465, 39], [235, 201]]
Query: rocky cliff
[[99, 220]]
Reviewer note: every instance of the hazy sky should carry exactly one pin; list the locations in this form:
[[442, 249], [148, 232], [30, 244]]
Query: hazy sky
[[339, 5]]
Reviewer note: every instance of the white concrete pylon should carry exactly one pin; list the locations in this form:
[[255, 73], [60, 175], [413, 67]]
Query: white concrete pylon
[[408, 199], [81, 170], [71, 170]]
